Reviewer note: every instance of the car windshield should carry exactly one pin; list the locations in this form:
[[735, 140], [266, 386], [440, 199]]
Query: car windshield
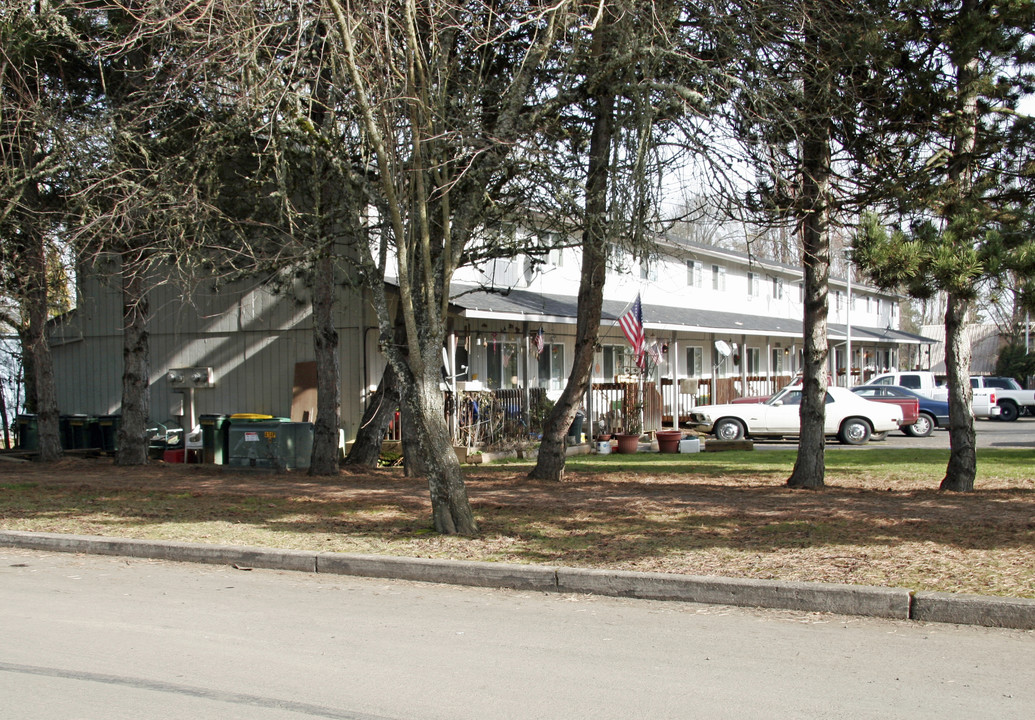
[[787, 397]]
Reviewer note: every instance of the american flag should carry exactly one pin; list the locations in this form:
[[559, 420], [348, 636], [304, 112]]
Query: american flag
[[537, 342], [632, 325], [655, 352]]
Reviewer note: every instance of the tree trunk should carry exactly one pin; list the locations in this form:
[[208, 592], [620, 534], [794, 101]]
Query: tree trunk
[[136, 395], [326, 453], [3, 418], [810, 464], [37, 352], [962, 468], [550, 462], [450, 507], [366, 450]]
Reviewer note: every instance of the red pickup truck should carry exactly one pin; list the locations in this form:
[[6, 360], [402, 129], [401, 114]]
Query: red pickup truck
[[910, 408]]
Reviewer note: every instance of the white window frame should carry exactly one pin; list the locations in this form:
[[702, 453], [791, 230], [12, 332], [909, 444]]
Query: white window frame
[[617, 355], [752, 280], [492, 357], [693, 274], [552, 357], [694, 361], [718, 278], [753, 358]]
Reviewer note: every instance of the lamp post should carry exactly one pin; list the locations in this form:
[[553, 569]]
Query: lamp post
[[848, 322]]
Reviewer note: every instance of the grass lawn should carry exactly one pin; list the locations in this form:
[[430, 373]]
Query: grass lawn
[[881, 520]]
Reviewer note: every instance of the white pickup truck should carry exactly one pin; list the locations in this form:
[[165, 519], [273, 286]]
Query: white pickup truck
[[984, 405], [1011, 398]]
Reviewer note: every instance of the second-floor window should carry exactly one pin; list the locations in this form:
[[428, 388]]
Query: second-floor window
[[777, 288], [693, 273], [718, 277], [648, 270], [752, 284]]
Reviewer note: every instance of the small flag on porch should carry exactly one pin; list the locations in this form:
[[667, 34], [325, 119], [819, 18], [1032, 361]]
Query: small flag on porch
[[538, 342], [632, 325], [655, 352]]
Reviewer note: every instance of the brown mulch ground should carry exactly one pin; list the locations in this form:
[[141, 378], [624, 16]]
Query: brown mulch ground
[[900, 534]]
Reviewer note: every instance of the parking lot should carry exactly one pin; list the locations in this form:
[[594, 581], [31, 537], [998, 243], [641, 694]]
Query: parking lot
[[990, 434]]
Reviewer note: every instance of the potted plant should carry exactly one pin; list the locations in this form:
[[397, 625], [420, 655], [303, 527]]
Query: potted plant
[[629, 436], [668, 440]]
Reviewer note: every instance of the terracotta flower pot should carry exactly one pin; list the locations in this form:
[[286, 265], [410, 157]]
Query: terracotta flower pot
[[668, 440], [628, 443]]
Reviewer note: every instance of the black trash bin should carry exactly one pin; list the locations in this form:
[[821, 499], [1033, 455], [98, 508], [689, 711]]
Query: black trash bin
[[28, 432], [108, 432], [215, 439], [575, 430], [83, 432]]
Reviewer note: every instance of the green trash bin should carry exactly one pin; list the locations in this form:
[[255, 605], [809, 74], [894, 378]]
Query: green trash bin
[[28, 430], [65, 431], [215, 439], [108, 432]]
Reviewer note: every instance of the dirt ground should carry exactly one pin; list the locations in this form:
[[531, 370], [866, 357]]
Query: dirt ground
[[900, 532]]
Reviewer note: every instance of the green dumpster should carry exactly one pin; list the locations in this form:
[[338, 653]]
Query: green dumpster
[[276, 444], [215, 439]]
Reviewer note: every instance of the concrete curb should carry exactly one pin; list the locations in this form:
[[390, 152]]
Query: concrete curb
[[894, 603], [809, 597]]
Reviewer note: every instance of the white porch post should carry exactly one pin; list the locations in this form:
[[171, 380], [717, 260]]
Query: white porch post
[[673, 361]]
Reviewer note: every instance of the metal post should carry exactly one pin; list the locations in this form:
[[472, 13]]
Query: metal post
[[848, 323]]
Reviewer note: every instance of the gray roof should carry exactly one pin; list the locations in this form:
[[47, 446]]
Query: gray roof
[[520, 305]]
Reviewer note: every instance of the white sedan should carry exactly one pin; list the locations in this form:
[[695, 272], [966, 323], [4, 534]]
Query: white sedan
[[849, 417]]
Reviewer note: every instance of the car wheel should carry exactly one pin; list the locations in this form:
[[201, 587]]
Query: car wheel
[[1008, 411], [854, 431], [923, 426], [729, 429]]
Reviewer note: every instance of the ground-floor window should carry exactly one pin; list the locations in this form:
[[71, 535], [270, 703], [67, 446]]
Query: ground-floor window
[[551, 367], [502, 364], [753, 364], [611, 360], [694, 361], [777, 365]]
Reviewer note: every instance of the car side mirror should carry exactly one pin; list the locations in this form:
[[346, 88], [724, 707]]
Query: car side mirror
[[777, 403]]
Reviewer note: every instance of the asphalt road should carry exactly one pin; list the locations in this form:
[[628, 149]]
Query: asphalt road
[[989, 433], [102, 637]]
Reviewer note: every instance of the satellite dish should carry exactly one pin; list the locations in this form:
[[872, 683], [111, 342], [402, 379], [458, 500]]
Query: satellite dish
[[723, 348]]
